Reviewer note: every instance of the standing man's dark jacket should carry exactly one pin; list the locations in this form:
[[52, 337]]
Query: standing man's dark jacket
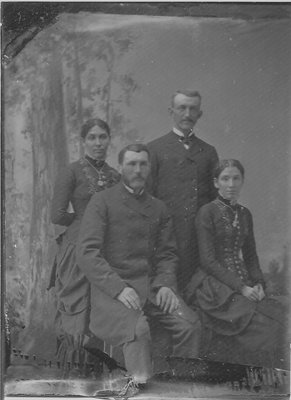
[[182, 178], [125, 241]]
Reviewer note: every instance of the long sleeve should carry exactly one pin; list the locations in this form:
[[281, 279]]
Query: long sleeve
[[250, 255], [152, 180], [213, 163], [63, 191], [206, 242], [90, 247], [165, 259]]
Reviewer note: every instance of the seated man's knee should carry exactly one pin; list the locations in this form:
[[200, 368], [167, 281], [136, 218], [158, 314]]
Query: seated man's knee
[[188, 319], [142, 329], [189, 326]]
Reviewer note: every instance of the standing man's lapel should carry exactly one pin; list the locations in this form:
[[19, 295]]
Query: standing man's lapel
[[174, 146], [178, 148], [195, 148]]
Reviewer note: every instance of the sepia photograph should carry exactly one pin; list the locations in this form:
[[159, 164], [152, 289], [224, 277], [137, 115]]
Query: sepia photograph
[[146, 188]]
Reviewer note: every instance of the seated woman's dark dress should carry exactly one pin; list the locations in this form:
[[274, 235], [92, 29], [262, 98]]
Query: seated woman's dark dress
[[247, 332], [75, 185]]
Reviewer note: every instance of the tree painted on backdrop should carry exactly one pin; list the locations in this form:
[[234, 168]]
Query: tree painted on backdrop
[[56, 82], [106, 81], [33, 126]]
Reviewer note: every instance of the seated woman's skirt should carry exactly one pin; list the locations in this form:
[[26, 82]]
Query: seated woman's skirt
[[241, 331]]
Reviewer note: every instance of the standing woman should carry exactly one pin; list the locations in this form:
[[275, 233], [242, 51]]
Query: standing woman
[[230, 291], [74, 188]]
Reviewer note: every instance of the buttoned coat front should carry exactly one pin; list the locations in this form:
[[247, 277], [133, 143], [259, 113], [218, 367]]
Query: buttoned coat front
[[183, 180], [124, 241]]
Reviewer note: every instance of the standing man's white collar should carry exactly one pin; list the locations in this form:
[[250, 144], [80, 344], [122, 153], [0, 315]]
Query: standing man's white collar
[[180, 133]]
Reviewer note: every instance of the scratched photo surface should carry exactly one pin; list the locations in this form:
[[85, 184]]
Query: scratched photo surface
[[124, 69]]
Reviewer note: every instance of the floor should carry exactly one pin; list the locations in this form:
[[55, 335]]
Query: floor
[[189, 379], [159, 390], [28, 379]]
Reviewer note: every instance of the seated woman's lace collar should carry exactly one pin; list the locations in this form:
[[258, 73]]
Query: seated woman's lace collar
[[227, 202]]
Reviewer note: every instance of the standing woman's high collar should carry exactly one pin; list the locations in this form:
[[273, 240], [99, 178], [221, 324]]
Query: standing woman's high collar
[[95, 163]]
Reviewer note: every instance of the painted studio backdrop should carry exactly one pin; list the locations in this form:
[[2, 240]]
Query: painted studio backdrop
[[124, 69]]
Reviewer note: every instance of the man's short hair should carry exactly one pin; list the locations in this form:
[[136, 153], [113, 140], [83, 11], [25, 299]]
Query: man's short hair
[[136, 147], [188, 93]]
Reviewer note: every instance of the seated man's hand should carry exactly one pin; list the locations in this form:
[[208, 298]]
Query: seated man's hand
[[129, 298], [167, 300]]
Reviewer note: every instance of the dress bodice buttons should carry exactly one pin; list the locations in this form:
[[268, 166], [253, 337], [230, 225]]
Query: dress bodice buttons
[[231, 236]]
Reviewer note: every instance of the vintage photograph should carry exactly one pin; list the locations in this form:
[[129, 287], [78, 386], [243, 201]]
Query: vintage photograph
[[146, 200]]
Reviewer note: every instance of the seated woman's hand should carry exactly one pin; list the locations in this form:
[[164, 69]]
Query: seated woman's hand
[[167, 300], [251, 293], [260, 291]]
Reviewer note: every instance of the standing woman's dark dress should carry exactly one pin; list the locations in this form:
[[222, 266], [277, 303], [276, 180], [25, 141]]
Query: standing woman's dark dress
[[76, 186]]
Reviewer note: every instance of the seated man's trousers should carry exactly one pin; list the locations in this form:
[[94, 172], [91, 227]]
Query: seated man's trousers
[[184, 327]]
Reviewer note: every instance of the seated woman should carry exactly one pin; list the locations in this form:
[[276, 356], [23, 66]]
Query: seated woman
[[75, 186], [245, 326]]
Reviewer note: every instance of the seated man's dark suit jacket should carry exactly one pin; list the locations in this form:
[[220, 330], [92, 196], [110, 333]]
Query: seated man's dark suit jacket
[[182, 179], [124, 241]]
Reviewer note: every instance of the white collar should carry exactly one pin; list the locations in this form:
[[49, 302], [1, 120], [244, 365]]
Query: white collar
[[130, 190], [180, 133]]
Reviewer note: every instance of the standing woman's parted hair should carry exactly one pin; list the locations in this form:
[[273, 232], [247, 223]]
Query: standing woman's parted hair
[[94, 122], [230, 162]]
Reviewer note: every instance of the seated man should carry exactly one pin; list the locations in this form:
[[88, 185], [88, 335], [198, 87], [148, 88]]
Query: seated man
[[127, 250]]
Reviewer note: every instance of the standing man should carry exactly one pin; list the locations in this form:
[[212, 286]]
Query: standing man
[[181, 176], [127, 250]]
